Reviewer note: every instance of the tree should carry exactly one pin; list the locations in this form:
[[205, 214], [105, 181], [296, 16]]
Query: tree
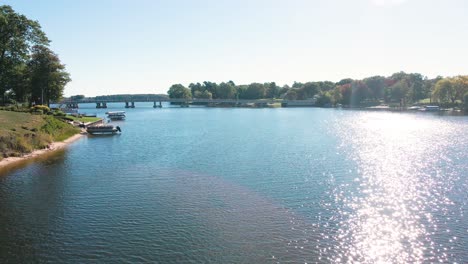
[[461, 86], [297, 85], [308, 90], [284, 90], [359, 92], [196, 87], [324, 99], [18, 35], [346, 92], [272, 90], [241, 91], [226, 91], [344, 81], [398, 92], [326, 86], [19, 83], [77, 97], [254, 91], [445, 91], [336, 97], [48, 75], [178, 91], [207, 95], [465, 102], [416, 85], [376, 85], [211, 87], [291, 94]]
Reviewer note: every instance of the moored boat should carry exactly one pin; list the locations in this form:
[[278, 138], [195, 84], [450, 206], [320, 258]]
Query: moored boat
[[117, 115], [103, 129], [430, 108]]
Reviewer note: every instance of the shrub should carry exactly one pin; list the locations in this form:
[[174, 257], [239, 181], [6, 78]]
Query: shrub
[[43, 108], [59, 113]]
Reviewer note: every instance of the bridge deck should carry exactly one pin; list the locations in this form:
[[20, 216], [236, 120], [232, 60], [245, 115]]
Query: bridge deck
[[174, 100]]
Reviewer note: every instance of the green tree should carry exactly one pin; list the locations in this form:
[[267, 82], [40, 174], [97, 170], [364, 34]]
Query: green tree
[[207, 95], [203, 95], [398, 92], [465, 102], [20, 84], [18, 35], [326, 86], [48, 75], [272, 90], [344, 81], [291, 94], [196, 87], [376, 85], [226, 91], [308, 90], [324, 99], [417, 91], [211, 87], [461, 86], [178, 91], [254, 91], [77, 97], [336, 97], [445, 91], [359, 92], [284, 90]]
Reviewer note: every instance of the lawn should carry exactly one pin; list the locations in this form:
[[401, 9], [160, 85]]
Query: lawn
[[83, 119], [21, 133]]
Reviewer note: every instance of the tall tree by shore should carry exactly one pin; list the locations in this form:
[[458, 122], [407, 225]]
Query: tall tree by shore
[[21, 43], [48, 75]]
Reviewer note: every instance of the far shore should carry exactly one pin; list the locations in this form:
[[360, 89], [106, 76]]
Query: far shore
[[54, 146]]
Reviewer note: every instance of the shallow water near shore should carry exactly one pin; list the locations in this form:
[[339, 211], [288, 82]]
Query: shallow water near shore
[[234, 185]]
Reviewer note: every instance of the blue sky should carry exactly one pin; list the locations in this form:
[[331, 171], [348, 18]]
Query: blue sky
[[144, 46]]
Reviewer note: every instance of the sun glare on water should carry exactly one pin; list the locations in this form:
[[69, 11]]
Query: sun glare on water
[[399, 189]]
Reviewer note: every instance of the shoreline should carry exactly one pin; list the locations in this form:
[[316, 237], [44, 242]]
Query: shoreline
[[54, 146]]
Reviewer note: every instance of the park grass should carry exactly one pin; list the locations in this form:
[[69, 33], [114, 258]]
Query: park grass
[[22, 133], [83, 119]]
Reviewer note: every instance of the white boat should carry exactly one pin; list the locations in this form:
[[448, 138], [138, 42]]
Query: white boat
[[103, 129], [117, 115], [414, 108], [431, 108]]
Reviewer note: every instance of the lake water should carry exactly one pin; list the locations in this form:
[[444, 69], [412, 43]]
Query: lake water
[[233, 185]]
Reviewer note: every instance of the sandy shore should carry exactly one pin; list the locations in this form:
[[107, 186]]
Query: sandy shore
[[52, 147]]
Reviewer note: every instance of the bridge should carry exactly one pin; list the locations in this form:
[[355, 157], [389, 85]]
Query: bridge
[[157, 102]]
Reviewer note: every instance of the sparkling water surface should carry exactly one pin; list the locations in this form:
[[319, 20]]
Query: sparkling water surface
[[234, 185]]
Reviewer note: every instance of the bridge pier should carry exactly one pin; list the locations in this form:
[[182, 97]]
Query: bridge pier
[[156, 106], [133, 105], [126, 105], [101, 105]]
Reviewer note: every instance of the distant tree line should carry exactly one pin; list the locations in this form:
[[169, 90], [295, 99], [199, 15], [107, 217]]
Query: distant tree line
[[29, 70], [400, 88]]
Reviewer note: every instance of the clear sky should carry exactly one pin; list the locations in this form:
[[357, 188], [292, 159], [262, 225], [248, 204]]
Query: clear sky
[[144, 46]]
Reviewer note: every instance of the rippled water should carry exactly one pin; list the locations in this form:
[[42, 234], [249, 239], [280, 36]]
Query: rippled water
[[246, 185]]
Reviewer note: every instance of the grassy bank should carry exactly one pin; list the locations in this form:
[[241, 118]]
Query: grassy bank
[[83, 119], [21, 133]]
